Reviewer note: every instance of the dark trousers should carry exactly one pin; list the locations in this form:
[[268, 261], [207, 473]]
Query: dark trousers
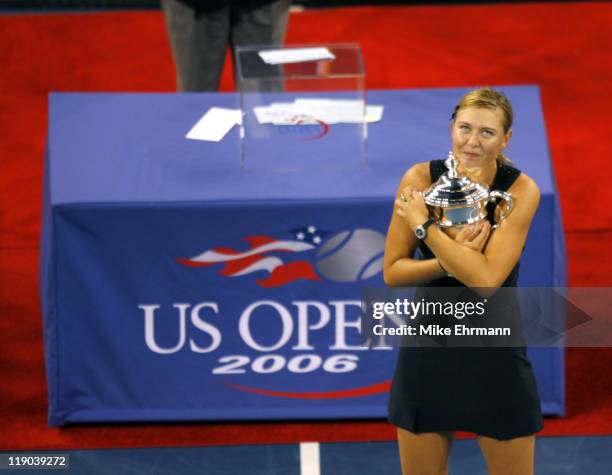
[[199, 37]]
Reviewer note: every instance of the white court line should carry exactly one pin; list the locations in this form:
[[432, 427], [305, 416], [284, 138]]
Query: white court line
[[309, 458]]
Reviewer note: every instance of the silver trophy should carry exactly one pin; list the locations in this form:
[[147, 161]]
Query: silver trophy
[[456, 200]]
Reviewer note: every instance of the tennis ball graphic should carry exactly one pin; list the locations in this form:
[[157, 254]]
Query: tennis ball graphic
[[350, 256]]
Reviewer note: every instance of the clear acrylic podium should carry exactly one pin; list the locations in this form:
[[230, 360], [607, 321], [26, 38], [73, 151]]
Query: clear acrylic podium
[[309, 103]]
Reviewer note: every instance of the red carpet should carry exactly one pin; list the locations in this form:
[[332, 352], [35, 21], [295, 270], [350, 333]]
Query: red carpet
[[561, 47]]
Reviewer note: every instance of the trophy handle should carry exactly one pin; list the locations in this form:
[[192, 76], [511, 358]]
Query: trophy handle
[[507, 197]]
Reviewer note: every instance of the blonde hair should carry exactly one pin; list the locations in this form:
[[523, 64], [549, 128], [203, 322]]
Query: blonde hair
[[488, 98]]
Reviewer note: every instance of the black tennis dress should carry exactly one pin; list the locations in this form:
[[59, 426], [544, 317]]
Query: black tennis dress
[[487, 391]]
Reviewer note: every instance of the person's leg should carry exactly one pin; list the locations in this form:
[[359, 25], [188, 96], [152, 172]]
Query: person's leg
[[509, 457], [425, 453], [263, 25], [199, 40]]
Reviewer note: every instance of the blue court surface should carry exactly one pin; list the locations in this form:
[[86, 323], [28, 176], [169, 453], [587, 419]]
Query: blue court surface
[[554, 455]]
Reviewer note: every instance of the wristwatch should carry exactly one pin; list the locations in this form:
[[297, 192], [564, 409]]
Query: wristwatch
[[421, 231]]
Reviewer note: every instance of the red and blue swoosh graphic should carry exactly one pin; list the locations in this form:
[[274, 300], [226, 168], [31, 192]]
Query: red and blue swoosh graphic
[[262, 254]]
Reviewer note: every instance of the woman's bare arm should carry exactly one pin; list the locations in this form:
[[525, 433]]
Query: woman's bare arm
[[399, 269]]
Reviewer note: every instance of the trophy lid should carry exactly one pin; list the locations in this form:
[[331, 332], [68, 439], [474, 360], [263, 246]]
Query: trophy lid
[[453, 190]]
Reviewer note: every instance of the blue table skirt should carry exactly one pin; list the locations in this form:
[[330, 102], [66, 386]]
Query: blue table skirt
[[177, 287]]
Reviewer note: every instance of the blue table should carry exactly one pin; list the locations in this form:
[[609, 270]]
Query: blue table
[[176, 286]]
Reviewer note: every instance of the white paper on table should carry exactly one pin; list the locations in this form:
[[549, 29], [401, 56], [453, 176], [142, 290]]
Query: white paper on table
[[311, 110], [295, 55], [277, 113], [263, 114], [336, 111], [215, 124], [374, 113], [332, 111], [285, 113], [290, 114]]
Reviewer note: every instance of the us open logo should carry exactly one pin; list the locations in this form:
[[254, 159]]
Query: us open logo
[[304, 253], [297, 339], [289, 353], [305, 129]]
